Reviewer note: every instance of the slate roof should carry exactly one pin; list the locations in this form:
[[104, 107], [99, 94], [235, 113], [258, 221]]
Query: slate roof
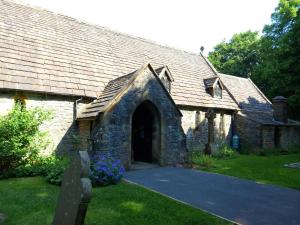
[[47, 52], [245, 92], [263, 117], [113, 91], [252, 102]]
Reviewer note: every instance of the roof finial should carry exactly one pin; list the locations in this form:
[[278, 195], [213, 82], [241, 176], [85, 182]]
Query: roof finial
[[201, 49]]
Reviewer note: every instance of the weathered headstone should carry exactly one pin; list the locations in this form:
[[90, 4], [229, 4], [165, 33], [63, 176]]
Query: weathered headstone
[[75, 192], [210, 115]]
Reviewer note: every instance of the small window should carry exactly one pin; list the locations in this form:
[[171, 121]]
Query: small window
[[213, 87], [166, 82], [165, 76], [218, 91]]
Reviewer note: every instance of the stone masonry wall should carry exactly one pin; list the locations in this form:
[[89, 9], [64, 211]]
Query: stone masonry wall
[[113, 130], [195, 126], [249, 132], [268, 136], [289, 136], [60, 128]]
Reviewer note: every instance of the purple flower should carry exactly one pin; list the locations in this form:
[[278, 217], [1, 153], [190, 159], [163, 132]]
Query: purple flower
[[105, 169]]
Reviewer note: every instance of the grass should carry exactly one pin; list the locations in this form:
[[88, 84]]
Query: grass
[[32, 201], [263, 169]]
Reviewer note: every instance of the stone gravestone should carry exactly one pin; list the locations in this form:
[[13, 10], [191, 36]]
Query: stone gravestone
[[210, 115], [75, 192]]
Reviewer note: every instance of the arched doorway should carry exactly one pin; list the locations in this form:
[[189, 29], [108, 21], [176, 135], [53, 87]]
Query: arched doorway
[[145, 139]]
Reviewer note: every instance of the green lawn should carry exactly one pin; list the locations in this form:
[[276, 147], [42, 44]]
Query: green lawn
[[31, 201], [263, 169]]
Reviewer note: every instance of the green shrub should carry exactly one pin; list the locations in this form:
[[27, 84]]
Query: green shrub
[[202, 160], [54, 169], [225, 152], [51, 167], [20, 137]]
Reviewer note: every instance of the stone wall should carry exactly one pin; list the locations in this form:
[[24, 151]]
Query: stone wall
[[288, 136], [195, 126], [249, 132], [60, 128], [112, 132], [268, 136]]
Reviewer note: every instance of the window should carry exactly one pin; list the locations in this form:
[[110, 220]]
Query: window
[[217, 91], [165, 76], [166, 82], [213, 87]]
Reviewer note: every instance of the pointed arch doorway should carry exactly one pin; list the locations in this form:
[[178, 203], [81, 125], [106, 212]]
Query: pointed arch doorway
[[146, 134]]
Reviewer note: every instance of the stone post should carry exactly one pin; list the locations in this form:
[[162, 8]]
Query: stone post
[[210, 115]]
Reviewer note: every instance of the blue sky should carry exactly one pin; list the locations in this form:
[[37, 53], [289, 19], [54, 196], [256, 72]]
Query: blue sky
[[186, 24]]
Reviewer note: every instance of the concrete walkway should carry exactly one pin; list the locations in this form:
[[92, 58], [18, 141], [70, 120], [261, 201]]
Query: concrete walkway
[[242, 201]]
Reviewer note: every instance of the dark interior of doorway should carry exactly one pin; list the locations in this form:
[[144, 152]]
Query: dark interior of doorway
[[142, 134]]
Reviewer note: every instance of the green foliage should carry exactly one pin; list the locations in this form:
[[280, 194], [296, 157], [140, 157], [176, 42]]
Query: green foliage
[[20, 137], [201, 160], [51, 167], [225, 152], [273, 60], [240, 56], [54, 169]]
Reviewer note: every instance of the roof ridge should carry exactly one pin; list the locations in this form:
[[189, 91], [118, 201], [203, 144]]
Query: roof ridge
[[259, 91], [85, 22], [233, 76]]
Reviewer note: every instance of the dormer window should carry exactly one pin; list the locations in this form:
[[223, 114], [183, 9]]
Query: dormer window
[[166, 82], [218, 91], [165, 76], [214, 87]]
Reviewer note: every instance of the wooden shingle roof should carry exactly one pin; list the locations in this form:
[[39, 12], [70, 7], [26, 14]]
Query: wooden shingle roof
[[47, 52]]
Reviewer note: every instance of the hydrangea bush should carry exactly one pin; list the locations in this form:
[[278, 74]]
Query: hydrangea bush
[[105, 169]]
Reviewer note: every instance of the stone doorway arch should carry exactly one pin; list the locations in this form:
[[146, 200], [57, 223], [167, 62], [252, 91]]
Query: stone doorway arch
[[146, 134]]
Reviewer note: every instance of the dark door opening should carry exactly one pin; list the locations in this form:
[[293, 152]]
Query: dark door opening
[[142, 130]]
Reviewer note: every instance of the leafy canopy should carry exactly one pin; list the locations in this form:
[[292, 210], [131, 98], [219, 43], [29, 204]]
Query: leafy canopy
[[239, 56], [273, 60]]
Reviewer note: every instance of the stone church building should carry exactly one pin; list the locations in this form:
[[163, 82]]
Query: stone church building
[[138, 99]]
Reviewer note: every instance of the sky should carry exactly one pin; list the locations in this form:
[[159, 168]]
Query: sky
[[184, 24]]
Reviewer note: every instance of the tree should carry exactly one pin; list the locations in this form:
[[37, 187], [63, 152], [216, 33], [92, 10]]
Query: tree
[[273, 60], [279, 70], [239, 56]]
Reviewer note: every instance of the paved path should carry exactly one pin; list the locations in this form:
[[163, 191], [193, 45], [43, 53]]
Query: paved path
[[243, 201]]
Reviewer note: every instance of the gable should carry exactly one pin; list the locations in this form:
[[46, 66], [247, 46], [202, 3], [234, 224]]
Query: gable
[[246, 93], [114, 91], [46, 52]]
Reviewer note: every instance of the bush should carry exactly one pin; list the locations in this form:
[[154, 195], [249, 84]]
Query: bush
[[225, 152], [51, 167], [202, 160], [54, 169], [20, 137], [105, 169]]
